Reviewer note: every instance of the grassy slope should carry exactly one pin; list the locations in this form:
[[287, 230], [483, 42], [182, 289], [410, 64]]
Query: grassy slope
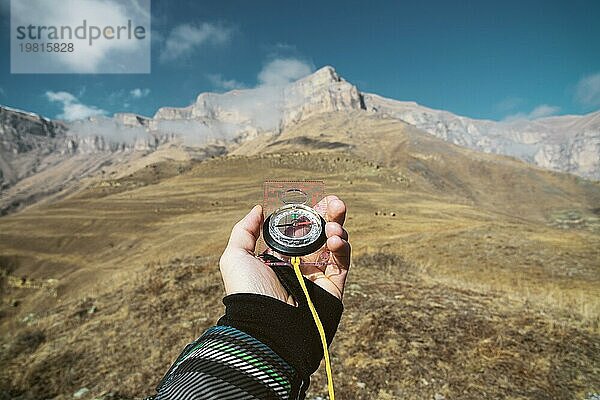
[[474, 303]]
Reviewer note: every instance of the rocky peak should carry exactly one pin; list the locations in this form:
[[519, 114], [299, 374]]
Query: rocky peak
[[321, 92], [268, 107], [131, 119], [326, 74], [169, 113], [17, 123], [22, 132]]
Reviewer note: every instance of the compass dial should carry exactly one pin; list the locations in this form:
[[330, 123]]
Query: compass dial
[[294, 230]]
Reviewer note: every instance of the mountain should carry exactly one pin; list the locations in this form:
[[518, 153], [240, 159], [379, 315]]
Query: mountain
[[425, 163], [567, 143], [245, 113], [41, 158]]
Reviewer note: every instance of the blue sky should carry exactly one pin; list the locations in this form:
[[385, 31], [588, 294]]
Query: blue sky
[[483, 59]]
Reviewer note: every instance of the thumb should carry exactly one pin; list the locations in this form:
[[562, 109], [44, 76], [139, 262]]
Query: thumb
[[247, 231]]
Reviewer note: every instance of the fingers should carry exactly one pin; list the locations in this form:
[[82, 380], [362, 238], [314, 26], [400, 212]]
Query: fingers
[[247, 231], [340, 249], [335, 229], [337, 237], [336, 210]]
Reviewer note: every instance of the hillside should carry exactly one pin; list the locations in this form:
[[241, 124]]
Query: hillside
[[475, 276], [425, 163]]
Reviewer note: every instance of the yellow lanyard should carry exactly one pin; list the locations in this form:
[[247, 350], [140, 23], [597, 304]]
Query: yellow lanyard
[[296, 263]]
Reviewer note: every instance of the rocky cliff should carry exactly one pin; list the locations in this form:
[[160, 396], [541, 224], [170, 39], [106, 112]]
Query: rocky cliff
[[29, 141], [40, 157], [264, 108], [25, 137], [568, 143]]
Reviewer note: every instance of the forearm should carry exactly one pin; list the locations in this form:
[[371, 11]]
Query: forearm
[[228, 363]]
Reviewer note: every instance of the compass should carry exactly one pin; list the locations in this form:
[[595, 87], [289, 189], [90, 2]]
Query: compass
[[294, 230]]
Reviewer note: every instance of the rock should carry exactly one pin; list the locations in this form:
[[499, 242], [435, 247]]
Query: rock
[[438, 396], [131, 119], [577, 154], [23, 133], [361, 385], [354, 286], [270, 107], [29, 318], [81, 392], [171, 113]]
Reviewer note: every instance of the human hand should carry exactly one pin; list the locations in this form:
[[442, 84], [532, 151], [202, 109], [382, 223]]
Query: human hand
[[242, 272]]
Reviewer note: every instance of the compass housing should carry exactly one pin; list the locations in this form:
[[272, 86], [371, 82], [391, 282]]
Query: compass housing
[[294, 230]]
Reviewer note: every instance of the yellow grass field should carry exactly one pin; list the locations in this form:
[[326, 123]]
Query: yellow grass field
[[449, 294]]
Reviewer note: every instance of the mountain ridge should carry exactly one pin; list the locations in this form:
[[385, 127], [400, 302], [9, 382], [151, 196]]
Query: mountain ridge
[[568, 143], [218, 123]]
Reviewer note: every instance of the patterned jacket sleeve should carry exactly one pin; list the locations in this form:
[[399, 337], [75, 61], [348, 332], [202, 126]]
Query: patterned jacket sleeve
[[226, 363]]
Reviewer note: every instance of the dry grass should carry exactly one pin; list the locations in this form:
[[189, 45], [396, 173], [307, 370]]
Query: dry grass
[[120, 342], [405, 337], [401, 337], [448, 296]]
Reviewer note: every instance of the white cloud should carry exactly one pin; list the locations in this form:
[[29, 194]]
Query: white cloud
[[263, 104], [587, 91], [186, 38], [509, 104], [219, 82], [541, 111], [116, 55], [277, 72], [72, 108], [112, 130], [61, 97], [138, 93], [282, 71]]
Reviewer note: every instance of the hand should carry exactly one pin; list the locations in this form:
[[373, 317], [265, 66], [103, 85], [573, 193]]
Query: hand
[[244, 273]]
